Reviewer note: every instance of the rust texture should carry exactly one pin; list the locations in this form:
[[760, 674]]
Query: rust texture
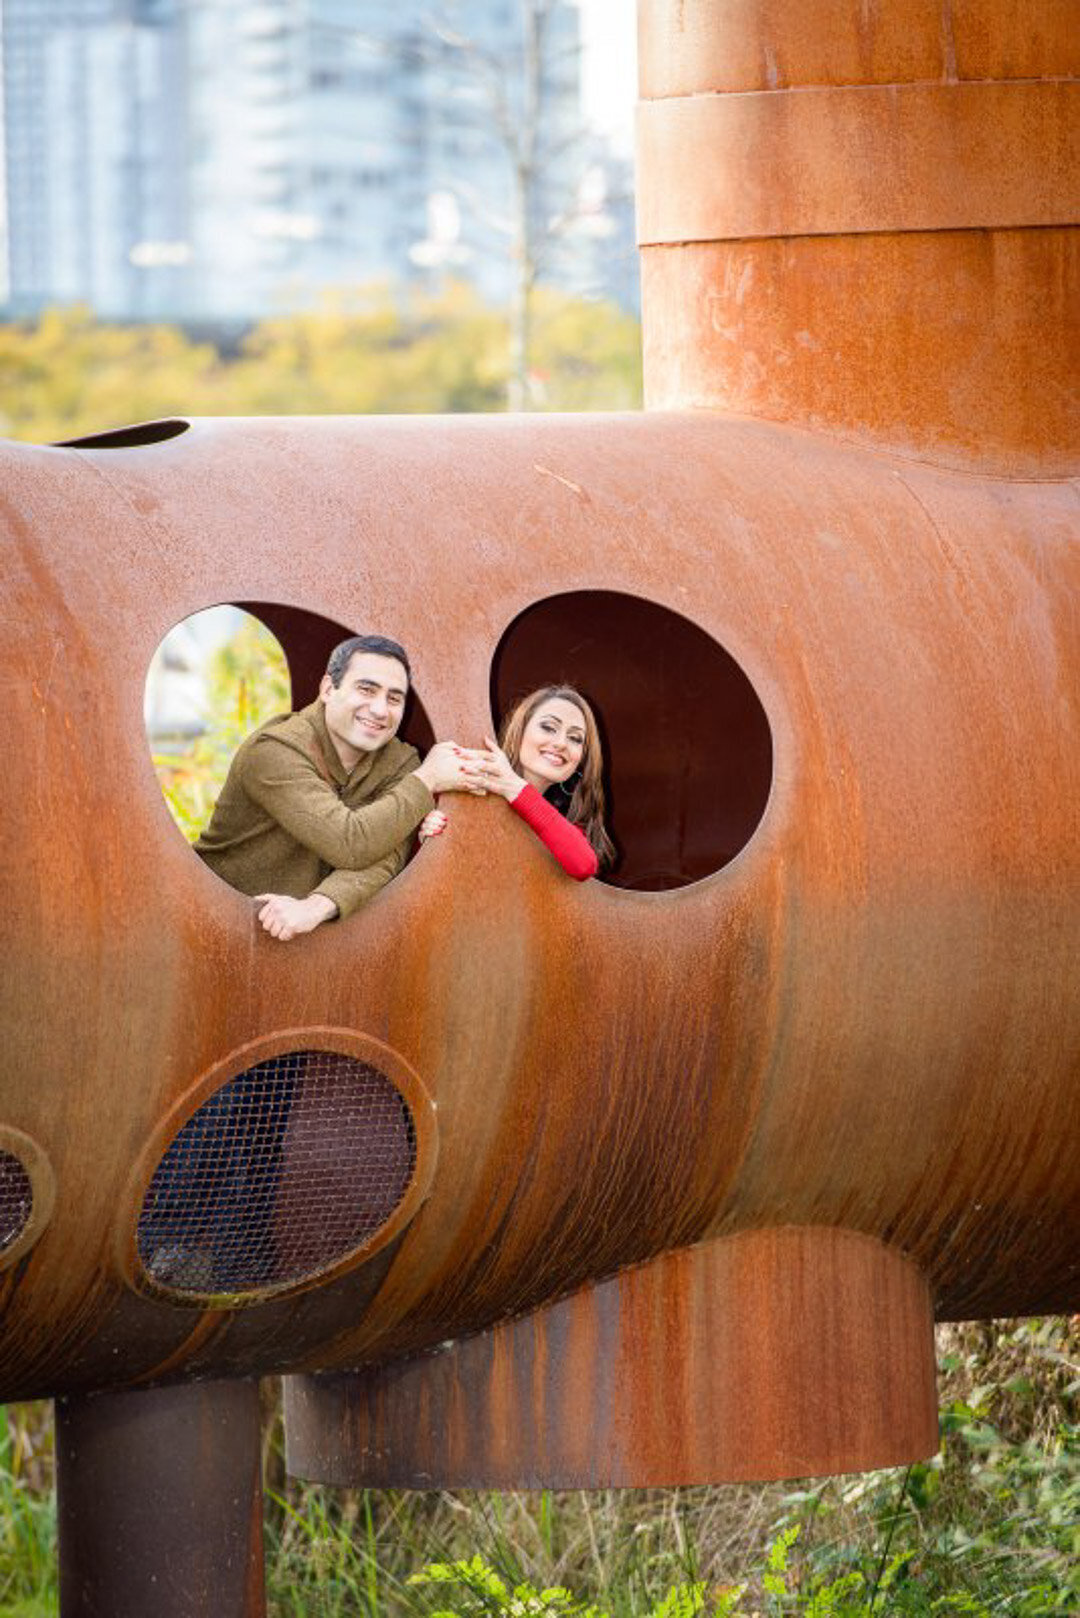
[[860, 159], [696, 47], [159, 1503], [806, 1069], [740, 1358], [866, 1019], [857, 219]]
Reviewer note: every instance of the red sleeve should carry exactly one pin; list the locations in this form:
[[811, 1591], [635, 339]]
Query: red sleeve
[[570, 846]]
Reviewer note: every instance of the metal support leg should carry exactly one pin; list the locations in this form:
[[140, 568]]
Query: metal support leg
[[160, 1503], [764, 1354]]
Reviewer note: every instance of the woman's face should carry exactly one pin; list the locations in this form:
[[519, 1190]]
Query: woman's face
[[552, 743]]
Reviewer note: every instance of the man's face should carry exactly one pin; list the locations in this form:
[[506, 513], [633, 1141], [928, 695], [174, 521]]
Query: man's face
[[364, 711]]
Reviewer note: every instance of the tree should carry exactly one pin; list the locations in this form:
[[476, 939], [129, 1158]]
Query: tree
[[525, 104], [67, 375], [359, 352], [247, 684]]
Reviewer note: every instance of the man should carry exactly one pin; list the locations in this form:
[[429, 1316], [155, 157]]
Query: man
[[319, 807]]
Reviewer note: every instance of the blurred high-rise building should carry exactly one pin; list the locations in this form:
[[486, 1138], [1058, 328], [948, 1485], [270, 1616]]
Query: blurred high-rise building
[[95, 192], [222, 160]]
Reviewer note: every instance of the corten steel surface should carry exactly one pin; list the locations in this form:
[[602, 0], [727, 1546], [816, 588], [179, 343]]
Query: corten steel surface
[[809, 1068], [866, 1020], [159, 1503], [860, 159], [858, 221], [689, 47], [767, 1354]]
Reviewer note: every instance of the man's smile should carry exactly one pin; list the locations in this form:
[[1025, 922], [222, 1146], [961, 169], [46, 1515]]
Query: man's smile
[[364, 711]]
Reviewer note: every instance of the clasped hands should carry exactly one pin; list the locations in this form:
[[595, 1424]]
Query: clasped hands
[[447, 768], [480, 770]]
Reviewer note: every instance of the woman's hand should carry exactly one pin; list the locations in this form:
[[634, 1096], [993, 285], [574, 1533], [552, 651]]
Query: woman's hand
[[496, 771], [432, 825]]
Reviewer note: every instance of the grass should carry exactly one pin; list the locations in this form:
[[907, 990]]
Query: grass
[[990, 1527], [27, 1514]]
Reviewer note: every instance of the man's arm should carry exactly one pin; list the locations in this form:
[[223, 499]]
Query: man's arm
[[348, 890], [339, 894], [284, 917], [446, 768], [345, 891], [289, 789]]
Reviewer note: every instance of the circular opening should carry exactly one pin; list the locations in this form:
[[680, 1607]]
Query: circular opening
[[220, 674], [285, 1171], [141, 432], [27, 1193], [16, 1199], [215, 678], [687, 746]]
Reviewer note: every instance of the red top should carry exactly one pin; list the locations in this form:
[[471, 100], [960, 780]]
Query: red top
[[569, 845]]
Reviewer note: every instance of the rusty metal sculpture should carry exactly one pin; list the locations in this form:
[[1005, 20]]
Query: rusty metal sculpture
[[654, 1181]]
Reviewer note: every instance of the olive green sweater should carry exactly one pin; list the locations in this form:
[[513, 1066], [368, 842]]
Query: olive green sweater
[[291, 819]]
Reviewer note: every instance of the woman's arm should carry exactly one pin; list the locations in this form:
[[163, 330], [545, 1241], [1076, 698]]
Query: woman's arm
[[570, 846], [568, 843]]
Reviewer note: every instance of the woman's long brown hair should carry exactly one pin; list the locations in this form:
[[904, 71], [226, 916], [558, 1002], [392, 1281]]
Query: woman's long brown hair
[[586, 806]]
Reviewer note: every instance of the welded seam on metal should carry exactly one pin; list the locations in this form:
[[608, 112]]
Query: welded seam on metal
[[944, 157]]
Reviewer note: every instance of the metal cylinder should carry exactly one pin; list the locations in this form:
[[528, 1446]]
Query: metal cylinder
[[857, 219], [816, 1042], [159, 1497], [774, 1353], [858, 1013]]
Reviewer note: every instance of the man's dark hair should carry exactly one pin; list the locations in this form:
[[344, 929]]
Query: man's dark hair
[[342, 655]]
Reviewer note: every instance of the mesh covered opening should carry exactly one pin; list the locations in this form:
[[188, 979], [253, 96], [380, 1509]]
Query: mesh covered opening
[[16, 1198], [286, 1170]]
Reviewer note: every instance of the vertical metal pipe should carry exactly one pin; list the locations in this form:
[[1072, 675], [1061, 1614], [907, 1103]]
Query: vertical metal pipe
[[861, 219], [160, 1503]]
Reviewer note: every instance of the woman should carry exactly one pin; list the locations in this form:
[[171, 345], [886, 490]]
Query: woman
[[549, 771]]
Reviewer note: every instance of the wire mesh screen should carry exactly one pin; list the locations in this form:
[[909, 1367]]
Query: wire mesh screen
[[16, 1198], [286, 1169]]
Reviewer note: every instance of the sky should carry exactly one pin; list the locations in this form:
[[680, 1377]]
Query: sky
[[609, 67]]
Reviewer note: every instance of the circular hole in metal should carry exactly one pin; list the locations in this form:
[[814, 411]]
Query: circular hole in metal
[[16, 1198], [215, 677], [220, 674], [688, 753], [281, 1174], [138, 433]]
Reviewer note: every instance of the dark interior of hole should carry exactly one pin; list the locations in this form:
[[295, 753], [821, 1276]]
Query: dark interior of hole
[[16, 1198], [307, 639], [284, 1170], [687, 746], [143, 432]]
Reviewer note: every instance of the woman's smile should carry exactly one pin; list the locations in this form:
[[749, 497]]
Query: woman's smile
[[552, 743]]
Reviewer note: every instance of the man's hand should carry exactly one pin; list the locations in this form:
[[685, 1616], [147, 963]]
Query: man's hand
[[286, 918], [450, 768]]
